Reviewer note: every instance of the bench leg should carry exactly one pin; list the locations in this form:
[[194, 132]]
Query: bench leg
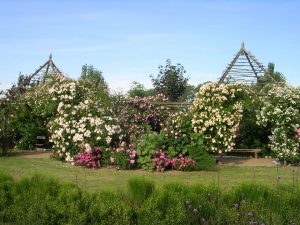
[[255, 155]]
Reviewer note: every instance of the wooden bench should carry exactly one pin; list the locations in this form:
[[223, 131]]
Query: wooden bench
[[255, 151], [40, 141]]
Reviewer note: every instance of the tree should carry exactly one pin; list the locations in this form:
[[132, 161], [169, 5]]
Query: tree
[[93, 80], [277, 76], [138, 90], [189, 94], [170, 80], [95, 75], [273, 76]]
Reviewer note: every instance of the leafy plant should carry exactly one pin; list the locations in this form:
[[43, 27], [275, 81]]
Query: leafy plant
[[146, 148], [124, 157], [170, 80], [196, 150]]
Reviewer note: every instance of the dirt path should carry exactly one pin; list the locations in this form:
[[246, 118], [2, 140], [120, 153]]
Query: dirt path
[[232, 161]]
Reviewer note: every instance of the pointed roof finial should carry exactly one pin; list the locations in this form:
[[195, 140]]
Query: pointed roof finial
[[242, 46], [50, 56]]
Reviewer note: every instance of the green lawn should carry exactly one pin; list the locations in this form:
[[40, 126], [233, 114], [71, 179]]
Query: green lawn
[[109, 178]]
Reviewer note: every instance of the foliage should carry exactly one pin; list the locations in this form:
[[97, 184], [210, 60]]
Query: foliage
[[91, 157], [272, 76], [216, 114], [189, 94], [124, 157], [138, 90], [27, 126], [250, 135], [170, 80], [80, 117], [12, 129], [177, 133], [203, 161], [161, 161], [146, 147], [140, 188], [41, 200], [95, 77], [137, 114], [183, 163], [6, 129], [280, 111]]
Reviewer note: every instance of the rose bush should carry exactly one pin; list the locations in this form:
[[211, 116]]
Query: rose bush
[[216, 114], [177, 133], [77, 116], [124, 157], [136, 115], [280, 110]]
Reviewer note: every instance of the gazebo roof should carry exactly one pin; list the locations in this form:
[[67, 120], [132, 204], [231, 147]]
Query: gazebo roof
[[244, 68], [46, 70]]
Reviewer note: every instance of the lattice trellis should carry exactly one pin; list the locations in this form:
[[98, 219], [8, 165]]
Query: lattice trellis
[[46, 70], [244, 68]]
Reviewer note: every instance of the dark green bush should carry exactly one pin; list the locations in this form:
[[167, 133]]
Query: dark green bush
[[204, 161]]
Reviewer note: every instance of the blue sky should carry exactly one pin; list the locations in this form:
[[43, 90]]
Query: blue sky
[[127, 40]]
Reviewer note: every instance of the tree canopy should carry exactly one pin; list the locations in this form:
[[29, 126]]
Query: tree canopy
[[95, 75], [138, 90], [171, 80], [273, 76]]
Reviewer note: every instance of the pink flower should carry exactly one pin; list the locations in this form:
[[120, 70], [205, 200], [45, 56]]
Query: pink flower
[[132, 161], [112, 159], [298, 132]]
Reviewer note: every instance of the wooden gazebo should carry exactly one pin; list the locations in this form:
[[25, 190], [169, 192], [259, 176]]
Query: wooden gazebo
[[244, 68]]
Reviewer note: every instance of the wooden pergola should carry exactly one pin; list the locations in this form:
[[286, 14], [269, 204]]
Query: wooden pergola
[[244, 68], [46, 70]]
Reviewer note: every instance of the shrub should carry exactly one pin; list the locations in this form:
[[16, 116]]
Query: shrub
[[280, 111], [137, 114], [161, 161], [177, 133], [183, 163], [124, 157], [146, 147], [216, 114], [91, 157]]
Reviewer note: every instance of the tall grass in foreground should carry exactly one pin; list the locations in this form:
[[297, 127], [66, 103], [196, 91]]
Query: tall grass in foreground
[[41, 200]]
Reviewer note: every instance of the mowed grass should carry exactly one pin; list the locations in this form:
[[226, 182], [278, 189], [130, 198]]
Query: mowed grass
[[91, 180]]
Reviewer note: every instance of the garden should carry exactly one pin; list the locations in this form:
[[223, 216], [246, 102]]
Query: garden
[[154, 147]]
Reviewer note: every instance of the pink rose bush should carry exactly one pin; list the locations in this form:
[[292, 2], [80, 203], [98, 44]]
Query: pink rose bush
[[183, 163], [161, 162], [124, 157], [91, 157], [136, 115]]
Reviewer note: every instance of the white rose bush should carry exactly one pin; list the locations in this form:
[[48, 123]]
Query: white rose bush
[[80, 122], [216, 114], [280, 111]]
